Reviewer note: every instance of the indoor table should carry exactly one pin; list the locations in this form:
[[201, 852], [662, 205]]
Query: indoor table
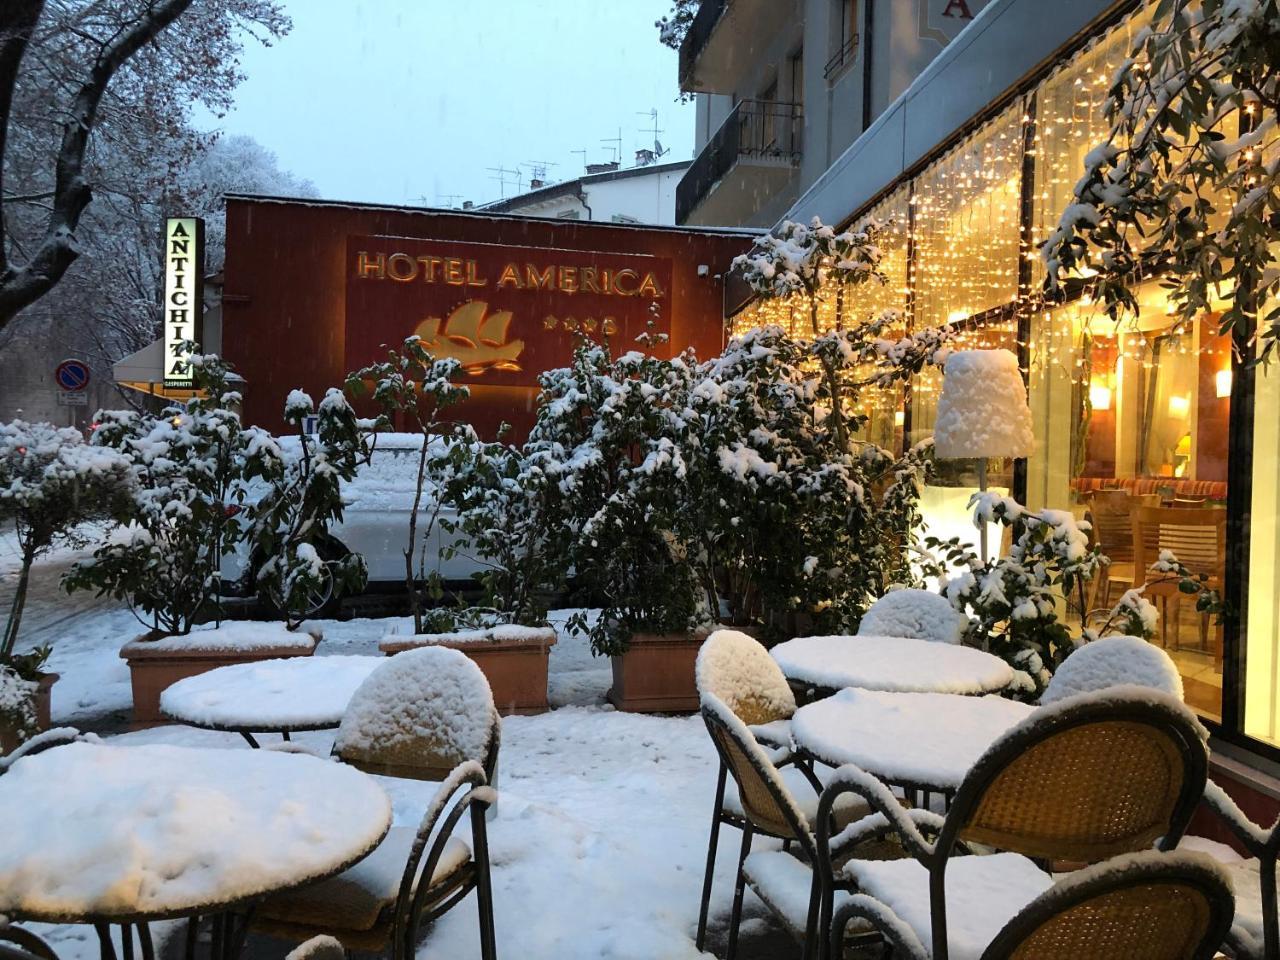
[[898, 664], [925, 742], [269, 696], [100, 834]]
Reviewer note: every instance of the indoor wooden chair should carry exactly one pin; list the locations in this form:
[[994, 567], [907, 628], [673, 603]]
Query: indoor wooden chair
[[425, 714], [1198, 538], [1079, 781], [1110, 513], [1142, 906], [1255, 933]]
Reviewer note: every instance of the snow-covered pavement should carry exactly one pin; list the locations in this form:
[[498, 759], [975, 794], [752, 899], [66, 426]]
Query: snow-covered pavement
[[600, 837]]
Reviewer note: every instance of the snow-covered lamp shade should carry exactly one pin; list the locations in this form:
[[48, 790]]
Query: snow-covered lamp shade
[[983, 412]]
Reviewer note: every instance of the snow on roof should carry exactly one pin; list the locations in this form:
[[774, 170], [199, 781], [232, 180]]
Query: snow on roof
[[430, 706], [914, 613], [101, 830], [1112, 661], [982, 410], [739, 670]]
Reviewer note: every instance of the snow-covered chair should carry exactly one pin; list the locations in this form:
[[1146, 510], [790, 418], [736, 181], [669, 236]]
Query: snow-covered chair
[[45, 740], [914, 613], [1255, 932], [419, 715], [1112, 662], [1176, 906], [1081, 780], [19, 944], [791, 887], [426, 714]]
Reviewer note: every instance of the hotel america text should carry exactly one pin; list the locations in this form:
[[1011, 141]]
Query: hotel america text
[[459, 272]]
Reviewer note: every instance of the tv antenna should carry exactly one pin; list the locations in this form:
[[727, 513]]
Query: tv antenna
[[616, 149], [583, 151], [504, 178], [538, 169], [652, 114], [449, 200]]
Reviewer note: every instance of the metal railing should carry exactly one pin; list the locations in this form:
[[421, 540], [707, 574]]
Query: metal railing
[[844, 55], [754, 128], [704, 21]]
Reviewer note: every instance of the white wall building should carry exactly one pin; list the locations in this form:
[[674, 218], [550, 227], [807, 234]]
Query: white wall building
[[636, 195]]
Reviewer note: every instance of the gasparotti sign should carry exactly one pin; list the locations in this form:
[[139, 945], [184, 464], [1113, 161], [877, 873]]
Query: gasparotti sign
[[506, 313], [183, 295]]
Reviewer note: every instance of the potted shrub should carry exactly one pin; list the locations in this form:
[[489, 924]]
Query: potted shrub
[[190, 468], [51, 481], [611, 435]]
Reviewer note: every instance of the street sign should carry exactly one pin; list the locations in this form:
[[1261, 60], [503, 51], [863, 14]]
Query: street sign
[[72, 376], [66, 398]]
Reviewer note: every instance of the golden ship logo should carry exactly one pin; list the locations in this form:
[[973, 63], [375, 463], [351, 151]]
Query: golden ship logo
[[474, 337]]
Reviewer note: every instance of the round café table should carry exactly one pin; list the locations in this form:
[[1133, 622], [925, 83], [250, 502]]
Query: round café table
[[923, 742], [899, 664], [269, 696], [101, 834]]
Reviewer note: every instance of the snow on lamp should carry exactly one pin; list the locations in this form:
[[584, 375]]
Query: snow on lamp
[[983, 413]]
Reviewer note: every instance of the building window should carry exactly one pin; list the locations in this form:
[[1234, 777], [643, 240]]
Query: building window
[[1262, 655], [796, 63], [569, 215], [623, 218], [844, 37]]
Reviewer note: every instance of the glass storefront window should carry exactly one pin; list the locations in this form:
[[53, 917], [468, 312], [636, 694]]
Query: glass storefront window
[[1262, 659]]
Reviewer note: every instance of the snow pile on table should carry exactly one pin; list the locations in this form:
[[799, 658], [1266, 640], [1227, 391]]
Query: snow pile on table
[[126, 829], [1114, 661], [738, 670], [900, 664], [270, 694], [429, 706], [233, 636], [982, 410], [914, 613]]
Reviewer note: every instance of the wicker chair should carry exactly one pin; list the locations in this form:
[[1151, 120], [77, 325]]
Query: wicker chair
[[914, 613], [19, 944], [1079, 781], [1113, 662], [771, 809], [1256, 930], [423, 712], [1152, 905]]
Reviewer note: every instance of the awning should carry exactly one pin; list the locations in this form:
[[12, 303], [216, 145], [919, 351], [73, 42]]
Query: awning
[[144, 371]]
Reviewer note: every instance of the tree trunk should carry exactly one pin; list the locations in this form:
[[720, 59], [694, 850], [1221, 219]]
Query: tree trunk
[[19, 601]]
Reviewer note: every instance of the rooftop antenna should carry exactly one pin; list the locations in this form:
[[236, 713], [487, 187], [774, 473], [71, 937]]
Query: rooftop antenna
[[616, 149], [583, 151], [538, 170], [503, 176], [450, 200], [652, 114]]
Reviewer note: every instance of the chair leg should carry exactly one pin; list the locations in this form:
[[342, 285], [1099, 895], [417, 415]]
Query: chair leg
[[484, 887], [712, 843], [1270, 922], [735, 918], [817, 926]]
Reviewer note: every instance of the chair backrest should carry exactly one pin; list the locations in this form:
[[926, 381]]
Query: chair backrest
[[738, 670], [914, 613], [1114, 662], [1086, 778], [1172, 906], [419, 715], [19, 944], [1110, 514], [765, 799], [45, 740], [1197, 536]]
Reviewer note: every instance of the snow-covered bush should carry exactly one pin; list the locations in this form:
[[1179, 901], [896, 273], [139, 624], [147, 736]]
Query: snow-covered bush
[[1135, 615], [612, 435], [1015, 602], [1182, 179], [190, 466], [17, 703], [303, 497], [51, 481], [673, 27], [416, 387]]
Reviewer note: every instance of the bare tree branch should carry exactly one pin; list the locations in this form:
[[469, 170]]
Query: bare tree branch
[[16, 26]]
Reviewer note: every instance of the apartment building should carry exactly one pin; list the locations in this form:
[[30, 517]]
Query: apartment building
[[783, 87], [606, 193]]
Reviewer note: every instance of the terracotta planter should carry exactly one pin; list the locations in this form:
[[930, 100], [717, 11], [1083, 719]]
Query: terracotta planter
[[655, 675], [157, 660], [9, 738], [513, 660]]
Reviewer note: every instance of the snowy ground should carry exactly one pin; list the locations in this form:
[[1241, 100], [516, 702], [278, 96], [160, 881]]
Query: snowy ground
[[600, 838]]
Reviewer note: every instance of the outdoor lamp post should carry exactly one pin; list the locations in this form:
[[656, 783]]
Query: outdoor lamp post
[[983, 413]]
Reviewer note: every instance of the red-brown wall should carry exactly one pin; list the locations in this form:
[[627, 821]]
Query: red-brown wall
[[287, 273]]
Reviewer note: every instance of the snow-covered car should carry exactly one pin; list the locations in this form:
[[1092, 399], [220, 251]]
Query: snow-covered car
[[375, 524]]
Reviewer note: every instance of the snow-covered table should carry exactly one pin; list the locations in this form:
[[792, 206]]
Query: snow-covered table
[[103, 834], [922, 741], [898, 664], [269, 696]]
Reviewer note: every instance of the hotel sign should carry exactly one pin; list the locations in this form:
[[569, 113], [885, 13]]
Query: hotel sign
[[183, 295], [507, 313]]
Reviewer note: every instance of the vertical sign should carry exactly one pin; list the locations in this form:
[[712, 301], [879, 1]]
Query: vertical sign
[[183, 295]]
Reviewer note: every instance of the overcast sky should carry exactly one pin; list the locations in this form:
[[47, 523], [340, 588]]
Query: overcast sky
[[395, 100]]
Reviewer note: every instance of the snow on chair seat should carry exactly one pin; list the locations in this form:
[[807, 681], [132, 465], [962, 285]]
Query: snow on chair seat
[[738, 669], [914, 613], [983, 893], [1112, 662], [785, 884], [419, 715], [1253, 932]]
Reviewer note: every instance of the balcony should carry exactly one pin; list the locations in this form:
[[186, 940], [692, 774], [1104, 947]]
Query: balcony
[[728, 37], [749, 161]]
